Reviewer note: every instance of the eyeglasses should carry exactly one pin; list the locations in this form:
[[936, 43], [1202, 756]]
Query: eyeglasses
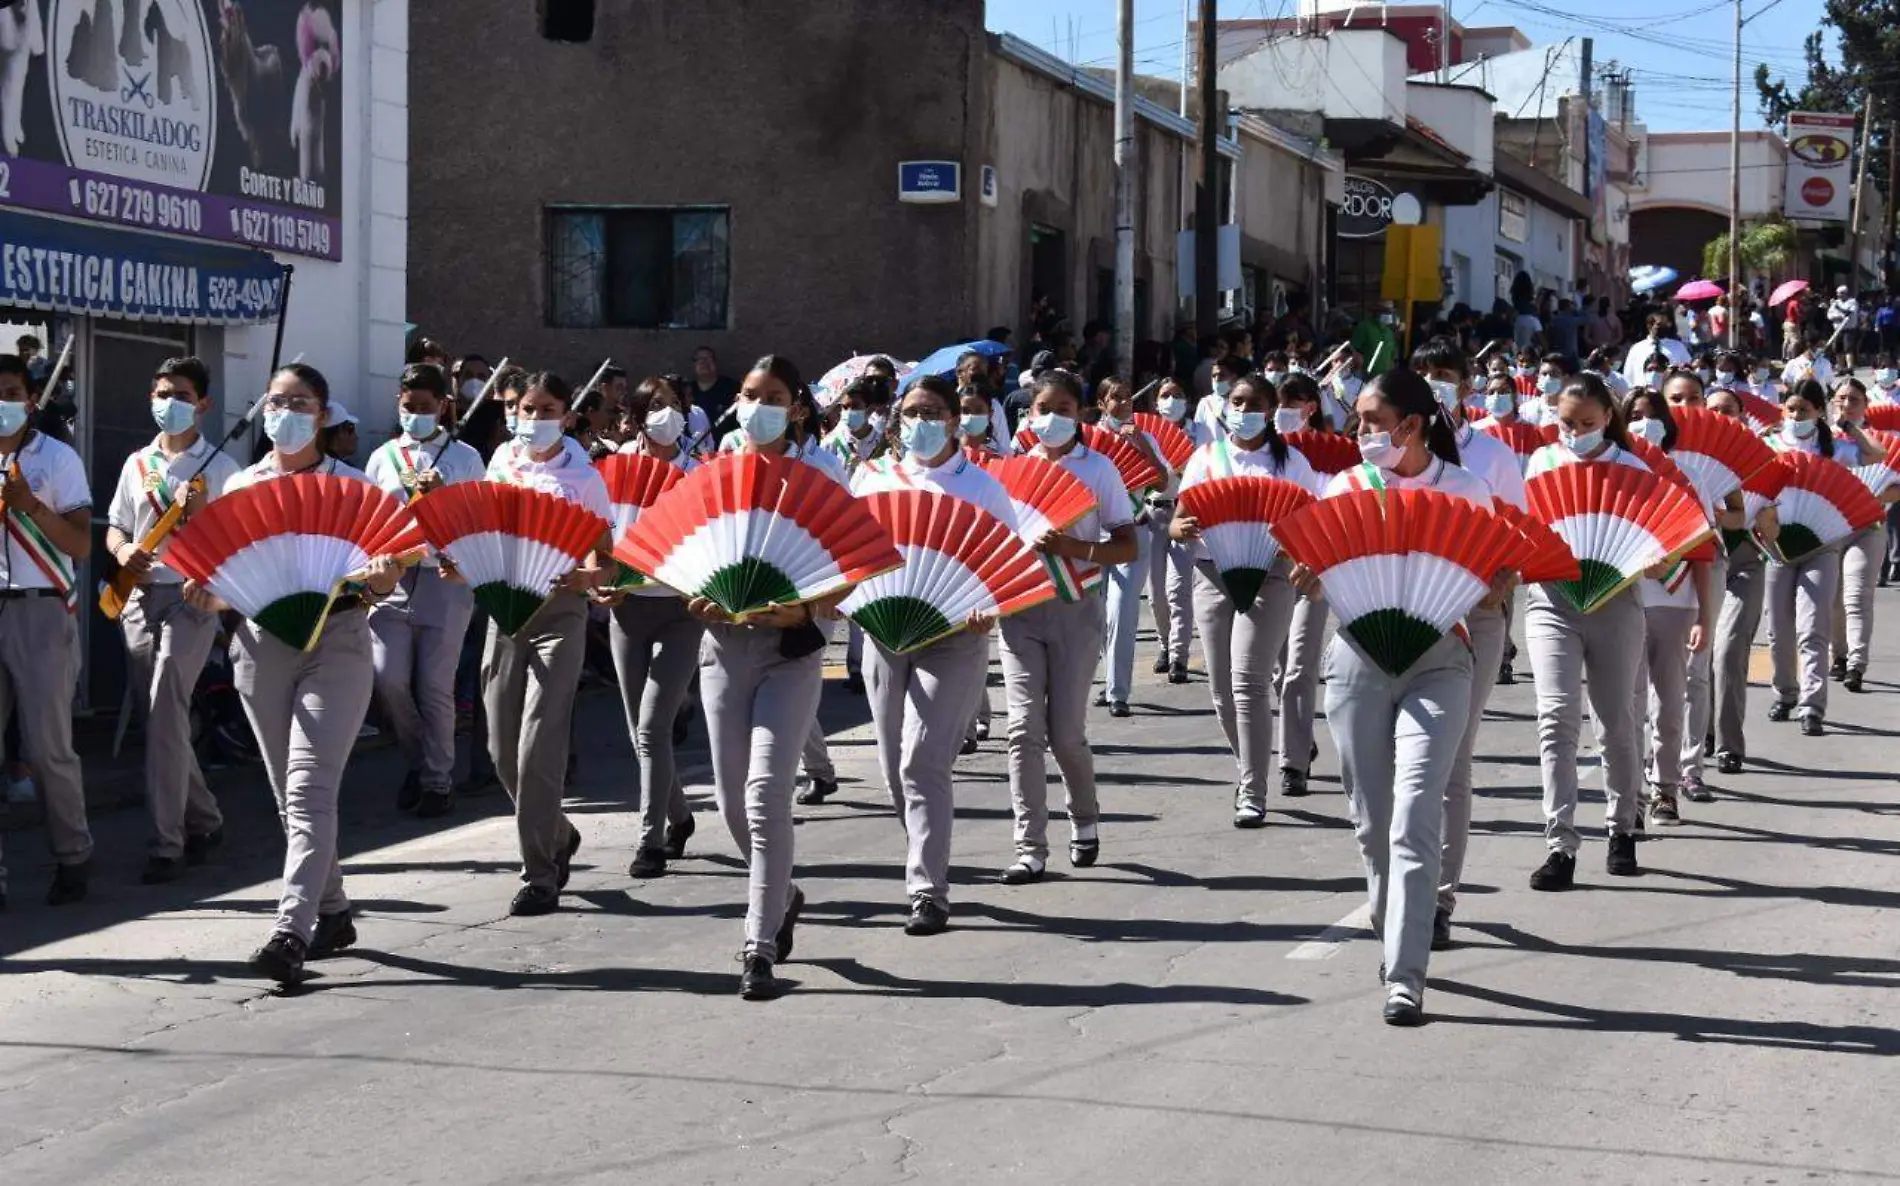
[[291, 403]]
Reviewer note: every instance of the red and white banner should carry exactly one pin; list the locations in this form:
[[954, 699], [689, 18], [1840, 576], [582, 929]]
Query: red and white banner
[[1820, 166]]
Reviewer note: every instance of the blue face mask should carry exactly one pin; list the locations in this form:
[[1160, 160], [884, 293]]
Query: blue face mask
[[173, 416], [289, 431], [12, 417], [975, 424], [924, 439], [419, 425], [538, 435], [1244, 425], [1500, 403], [856, 418], [762, 423]]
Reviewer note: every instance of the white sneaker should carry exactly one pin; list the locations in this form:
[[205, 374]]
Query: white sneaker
[[1248, 814]]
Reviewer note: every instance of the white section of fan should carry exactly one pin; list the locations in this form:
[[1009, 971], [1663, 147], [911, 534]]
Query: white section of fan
[[1813, 512], [1241, 545], [932, 576], [280, 566], [1877, 478], [1426, 586], [516, 560], [767, 536], [1713, 480], [1031, 524], [1612, 540]]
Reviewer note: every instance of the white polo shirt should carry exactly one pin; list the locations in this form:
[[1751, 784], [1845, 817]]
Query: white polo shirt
[[570, 474], [149, 483], [395, 465], [1113, 506], [57, 478], [1495, 463]]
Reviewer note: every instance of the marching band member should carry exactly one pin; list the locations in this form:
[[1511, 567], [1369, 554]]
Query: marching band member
[[1116, 402], [416, 633], [1300, 410], [166, 640], [1864, 553], [1171, 564]]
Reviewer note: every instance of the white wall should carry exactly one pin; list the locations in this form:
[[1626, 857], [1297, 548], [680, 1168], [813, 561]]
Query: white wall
[[1461, 115], [1691, 169], [1347, 74]]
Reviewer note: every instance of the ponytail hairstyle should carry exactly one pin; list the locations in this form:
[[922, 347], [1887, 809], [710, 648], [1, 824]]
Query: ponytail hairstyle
[[1408, 394], [786, 371], [1593, 389], [1658, 410], [1264, 390], [1810, 389]]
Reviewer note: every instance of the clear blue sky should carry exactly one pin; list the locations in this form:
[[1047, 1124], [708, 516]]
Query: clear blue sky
[[1680, 51]]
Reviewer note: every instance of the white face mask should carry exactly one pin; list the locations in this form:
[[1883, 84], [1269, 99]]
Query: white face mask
[[538, 435], [1287, 420], [1447, 392], [289, 431], [1550, 384], [1171, 408], [762, 423], [1801, 430], [173, 416], [856, 418], [664, 425], [419, 425], [1378, 450], [472, 388], [1053, 430], [975, 424], [1652, 431], [1223, 386], [1500, 403], [1580, 442], [1108, 423], [1244, 425]]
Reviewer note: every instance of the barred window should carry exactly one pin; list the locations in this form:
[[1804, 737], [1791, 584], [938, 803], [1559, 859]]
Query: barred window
[[638, 267]]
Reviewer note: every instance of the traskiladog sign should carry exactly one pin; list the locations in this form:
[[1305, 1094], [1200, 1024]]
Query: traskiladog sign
[[215, 119], [1820, 166]]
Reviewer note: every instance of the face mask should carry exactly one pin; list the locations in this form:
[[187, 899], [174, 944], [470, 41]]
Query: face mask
[[1652, 431], [1274, 377], [1108, 423], [538, 435], [1244, 425], [1171, 408], [1222, 387], [1287, 420], [1580, 442], [1761, 374], [472, 388], [1386, 319], [289, 431], [1053, 430], [879, 422], [1447, 392], [1801, 430], [511, 420], [1500, 403], [924, 439], [1550, 384], [665, 425], [1703, 374], [419, 425], [975, 424], [172, 416], [856, 418], [1724, 378], [762, 423], [1520, 372], [1296, 369], [1884, 376], [1378, 450]]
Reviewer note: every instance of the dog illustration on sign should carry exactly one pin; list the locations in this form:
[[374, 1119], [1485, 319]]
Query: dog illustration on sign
[[254, 74], [101, 50], [22, 38], [175, 67], [318, 51]]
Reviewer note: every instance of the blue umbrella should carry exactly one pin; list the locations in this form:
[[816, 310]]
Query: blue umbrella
[[1651, 277], [943, 363]]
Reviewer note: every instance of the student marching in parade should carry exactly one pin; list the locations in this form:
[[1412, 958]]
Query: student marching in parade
[[305, 707], [1241, 648], [167, 640], [1049, 651], [761, 681], [1572, 652], [1744, 593], [1300, 410], [1864, 552], [1399, 737], [1800, 597], [416, 633], [921, 699], [530, 678], [656, 652], [1123, 582], [1171, 562], [979, 443], [48, 523], [864, 415]]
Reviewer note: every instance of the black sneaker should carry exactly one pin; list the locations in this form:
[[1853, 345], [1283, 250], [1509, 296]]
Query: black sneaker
[[1293, 783], [756, 982], [676, 837], [1812, 725], [926, 917], [1177, 673], [1780, 710], [335, 934], [198, 848], [532, 900], [159, 870], [1622, 859], [648, 863], [1161, 663], [1441, 930], [1837, 671], [435, 804], [69, 884], [968, 746], [1506, 676], [565, 866], [1558, 872], [1728, 762], [410, 793], [281, 958], [787, 928], [1401, 1010], [1853, 682], [1118, 708], [818, 791]]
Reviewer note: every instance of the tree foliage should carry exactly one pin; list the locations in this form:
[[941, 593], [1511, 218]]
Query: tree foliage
[[1766, 248], [1865, 35]]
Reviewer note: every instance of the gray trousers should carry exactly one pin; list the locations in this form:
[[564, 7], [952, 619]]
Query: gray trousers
[[528, 686], [39, 670], [1171, 589], [1299, 682], [655, 645], [1240, 650], [1121, 608], [305, 708], [1398, 740], [1565, 646], [816, 755], [1800, 600], [917, 702], [1893, 535], [1489, 631], [1744, 589], [1048, 664], [168, 643], [1861, 559], [416, 638], [759, 707], [1662, 692]]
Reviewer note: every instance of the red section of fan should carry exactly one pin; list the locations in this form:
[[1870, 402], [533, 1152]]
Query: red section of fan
[[1043, 487], [1722, 439], [1766, 413], [1885, 417], [1549, 558], [635, 480], [1138, 473], [1327, 452], [1176, 445], [1523, 439], [298, 504]]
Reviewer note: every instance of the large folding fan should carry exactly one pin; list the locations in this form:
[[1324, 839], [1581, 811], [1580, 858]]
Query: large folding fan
[[1138, 473], [1237, 518], [1717, 452], [1047, 497], [1401, 568], [748, 531], [1618, 521], [1524, 439], [1549, 558], [1883, 471], [1885, 417], [510, 543], [1821, 505], [634, 480], [959, 560], [280, 552], [1327, 452], [1176, 445]]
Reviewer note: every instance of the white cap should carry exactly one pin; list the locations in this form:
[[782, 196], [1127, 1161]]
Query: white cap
[[1841, 291], [339, 415]]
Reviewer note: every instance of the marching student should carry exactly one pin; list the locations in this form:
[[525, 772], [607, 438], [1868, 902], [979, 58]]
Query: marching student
[[1229, 369], [761, 680], [1049, 651], [1171, 563], [48, 524], [1572, 652], [979, 444], [416, 633], [1744, 591], [1241, 648], [655, 646], [1865, 552], [1541, 409], [1399, 737], [1300, 410], [1122, 602], [920, 700], [166, 640], [529, 679], [859, 438], [1801, 596], [305, 707]]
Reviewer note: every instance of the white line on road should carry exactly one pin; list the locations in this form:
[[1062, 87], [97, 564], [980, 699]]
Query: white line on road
[[1327, 943]]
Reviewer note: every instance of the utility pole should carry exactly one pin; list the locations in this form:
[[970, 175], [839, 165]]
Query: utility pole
[[1207, 192], [1734, 294], [1860, 200], [1125, 328], [1893, 188]]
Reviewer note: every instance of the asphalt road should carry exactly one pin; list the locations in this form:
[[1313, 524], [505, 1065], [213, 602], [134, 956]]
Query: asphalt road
[[1199, 1008]]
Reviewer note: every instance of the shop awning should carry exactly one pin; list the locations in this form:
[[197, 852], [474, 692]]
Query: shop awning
[[59, 266]]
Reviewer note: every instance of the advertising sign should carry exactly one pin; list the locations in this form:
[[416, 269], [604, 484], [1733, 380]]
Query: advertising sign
[[929, 181], [1366, 210], [75, 267], [214, 119], [1820, 166]]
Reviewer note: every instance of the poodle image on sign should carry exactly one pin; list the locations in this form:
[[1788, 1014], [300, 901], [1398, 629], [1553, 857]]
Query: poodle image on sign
[[22, 39], [175, 67], [318, 51]]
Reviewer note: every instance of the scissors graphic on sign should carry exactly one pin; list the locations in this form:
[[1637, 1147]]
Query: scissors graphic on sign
[[136, 88]]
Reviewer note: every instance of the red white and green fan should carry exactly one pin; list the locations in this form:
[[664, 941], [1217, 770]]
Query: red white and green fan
[[1880, 474], [1176, 445], [1759, 493], [1401, 568], [1548, 557], [1717, 452], [1237, 517], [1822, 504], [748, 531], [1047, 498], [510, 543], [634, 480], [1618, 521], [282, 551], [959, 560], [1328, 453], [1137, 471]]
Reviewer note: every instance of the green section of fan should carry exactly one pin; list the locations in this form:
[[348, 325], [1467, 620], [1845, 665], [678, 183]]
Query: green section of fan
[[1599, 583], [296, 619], [507, 606], [1243, 586], [1394, 639], [1732, 541], [749, 586], [1796, 543], [627, 578], [902, 623]]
